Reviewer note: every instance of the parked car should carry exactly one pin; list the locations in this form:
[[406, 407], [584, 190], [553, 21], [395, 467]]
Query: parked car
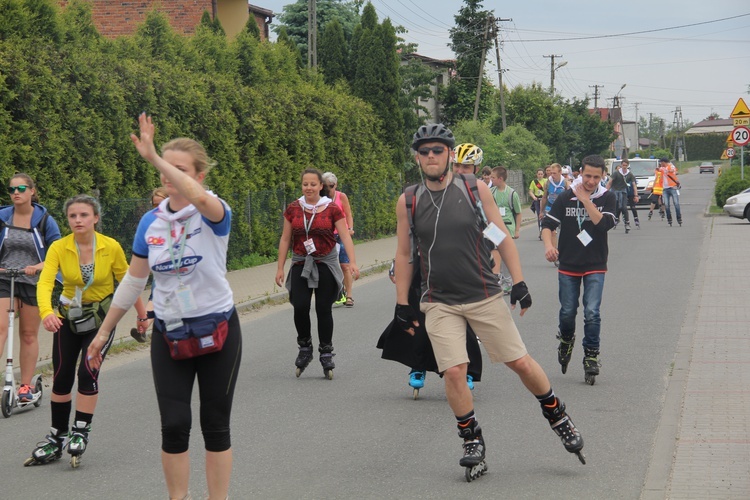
[[706, 166], [739, 205], [644, 170]]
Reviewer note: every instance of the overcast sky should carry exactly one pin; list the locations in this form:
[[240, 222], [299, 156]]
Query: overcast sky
[[672, 62]]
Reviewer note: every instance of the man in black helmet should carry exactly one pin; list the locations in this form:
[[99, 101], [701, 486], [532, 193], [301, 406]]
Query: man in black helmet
[[458, 286]]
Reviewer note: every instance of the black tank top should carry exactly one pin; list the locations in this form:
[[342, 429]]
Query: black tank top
[[455, 260]]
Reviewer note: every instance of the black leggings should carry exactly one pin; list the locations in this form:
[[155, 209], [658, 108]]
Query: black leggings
[[67, 348], [173, 380], [301, 298]]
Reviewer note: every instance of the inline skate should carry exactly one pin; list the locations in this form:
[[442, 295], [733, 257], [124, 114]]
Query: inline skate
[[304, 357], [79, 438], [326, 360], [49, 450], [564, 351], [416, 381], [474, 453], [591, 365], [564, 428]]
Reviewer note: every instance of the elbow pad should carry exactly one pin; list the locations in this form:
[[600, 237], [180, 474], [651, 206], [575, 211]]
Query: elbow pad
[[128, 291]]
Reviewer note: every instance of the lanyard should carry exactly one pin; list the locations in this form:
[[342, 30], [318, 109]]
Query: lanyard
[[580, 219], [308, 226], [93, 257], [181, 242]]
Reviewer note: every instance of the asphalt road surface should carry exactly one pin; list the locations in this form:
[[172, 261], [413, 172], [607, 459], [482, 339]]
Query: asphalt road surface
[[362, 435]]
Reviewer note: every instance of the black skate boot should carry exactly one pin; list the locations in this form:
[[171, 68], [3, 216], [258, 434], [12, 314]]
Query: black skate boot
[[637, 224], [473, 458], [79, 438], [563, 427], [304, 357], [627, 227], [326, 360], [564, 351], [49, 450], [650, 213], [591, 365]]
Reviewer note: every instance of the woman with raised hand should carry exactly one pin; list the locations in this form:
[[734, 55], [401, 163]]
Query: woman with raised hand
[[89, 263], [184, 242], [26, 232]]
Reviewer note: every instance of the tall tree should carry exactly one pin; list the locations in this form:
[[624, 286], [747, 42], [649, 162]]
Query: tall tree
[[468, 43], [293, 17], [333, 53]]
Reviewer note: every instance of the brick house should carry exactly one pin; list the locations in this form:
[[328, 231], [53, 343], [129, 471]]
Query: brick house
[[115, 18]]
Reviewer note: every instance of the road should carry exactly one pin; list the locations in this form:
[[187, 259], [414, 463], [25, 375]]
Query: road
[[362, 436]]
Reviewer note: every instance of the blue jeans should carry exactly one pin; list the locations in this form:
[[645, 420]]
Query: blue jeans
[[570, 289], [671, 194], [622, 206]]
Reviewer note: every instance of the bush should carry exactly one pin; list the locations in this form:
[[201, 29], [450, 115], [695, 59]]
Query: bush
[[730, 183]]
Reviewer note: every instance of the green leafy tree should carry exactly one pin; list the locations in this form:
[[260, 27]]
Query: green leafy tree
[[468, 43], [480, 133], [535, 109], [283, 39], [525, 151], [333, 52], [294, 19]]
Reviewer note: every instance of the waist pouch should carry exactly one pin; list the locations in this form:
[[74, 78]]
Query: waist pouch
[[91, 318], [197, 336]]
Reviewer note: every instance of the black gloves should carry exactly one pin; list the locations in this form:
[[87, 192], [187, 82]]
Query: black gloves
[[405, 317], [520, 293]]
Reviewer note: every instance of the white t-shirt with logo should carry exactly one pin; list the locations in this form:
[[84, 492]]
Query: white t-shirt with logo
[[202, 264]]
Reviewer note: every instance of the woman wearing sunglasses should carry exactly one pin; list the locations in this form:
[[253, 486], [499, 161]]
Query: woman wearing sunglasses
[[26, 231]]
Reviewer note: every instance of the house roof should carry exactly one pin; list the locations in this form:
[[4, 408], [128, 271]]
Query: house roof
[[712, 127], [260, 10], [430, 60]]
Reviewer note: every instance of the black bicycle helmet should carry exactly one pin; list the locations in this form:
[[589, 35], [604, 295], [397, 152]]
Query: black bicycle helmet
[[433, 132]]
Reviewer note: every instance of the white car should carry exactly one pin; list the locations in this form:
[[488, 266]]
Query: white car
[[739, 205]]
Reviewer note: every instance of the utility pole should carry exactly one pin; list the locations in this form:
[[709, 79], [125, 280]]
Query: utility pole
[[637, 127], [552, 72], [312, 34], [481, 66], [499, 69], [679, 151], [596, 94]]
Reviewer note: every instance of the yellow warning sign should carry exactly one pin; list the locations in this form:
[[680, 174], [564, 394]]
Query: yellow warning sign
[[724, 155], [730, 143], [740, 110]]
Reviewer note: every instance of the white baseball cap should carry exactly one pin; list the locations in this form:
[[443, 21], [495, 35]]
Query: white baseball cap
[[566, 170]]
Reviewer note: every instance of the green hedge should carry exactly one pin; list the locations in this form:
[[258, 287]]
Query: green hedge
[[730, 183], [705, 147], [69, 100]]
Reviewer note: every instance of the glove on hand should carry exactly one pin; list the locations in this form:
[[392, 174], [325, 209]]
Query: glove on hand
[[405, 317], [520, 293]]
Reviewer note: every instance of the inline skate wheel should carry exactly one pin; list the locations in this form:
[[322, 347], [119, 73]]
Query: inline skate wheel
[[75, 461], [7, 405], [581, 457], [564, 368], [298, 372], [329, 374], [29, 461], [590, 379], [475, 471], [39, 390], [416, 394]]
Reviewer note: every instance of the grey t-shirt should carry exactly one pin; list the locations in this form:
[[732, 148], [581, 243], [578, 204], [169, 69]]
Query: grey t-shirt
[[18, 252], [454, 257]]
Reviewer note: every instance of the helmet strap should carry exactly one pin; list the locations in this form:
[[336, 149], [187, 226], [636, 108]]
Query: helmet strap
[[441, 177]]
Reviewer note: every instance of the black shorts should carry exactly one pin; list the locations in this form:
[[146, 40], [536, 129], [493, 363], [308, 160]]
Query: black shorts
[[23, 291]]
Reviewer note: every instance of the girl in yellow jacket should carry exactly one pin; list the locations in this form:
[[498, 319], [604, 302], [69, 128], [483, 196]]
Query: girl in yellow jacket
[[89, 263], [656, 194]]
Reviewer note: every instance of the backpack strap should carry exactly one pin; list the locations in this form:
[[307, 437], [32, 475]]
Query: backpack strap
[[42, 227], [410, 196], [470, 190], [512, 209]]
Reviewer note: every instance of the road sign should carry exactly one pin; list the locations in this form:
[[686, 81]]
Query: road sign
[[739, 122], [740, 110], [724, 155], [729, 141], [730, 152], [741, 136]]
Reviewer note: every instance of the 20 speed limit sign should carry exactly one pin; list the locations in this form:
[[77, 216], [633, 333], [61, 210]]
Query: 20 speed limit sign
[[741, 136]]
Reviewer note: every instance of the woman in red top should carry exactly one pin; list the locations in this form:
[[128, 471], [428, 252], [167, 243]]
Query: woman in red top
[[309, 224]]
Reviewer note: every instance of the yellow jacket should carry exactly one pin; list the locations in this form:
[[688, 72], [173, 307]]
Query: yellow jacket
[[110, 264]]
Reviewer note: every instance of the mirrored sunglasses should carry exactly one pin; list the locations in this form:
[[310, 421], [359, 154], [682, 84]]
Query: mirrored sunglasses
[[20, 188]]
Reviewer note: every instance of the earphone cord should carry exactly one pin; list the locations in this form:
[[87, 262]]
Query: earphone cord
[[434, 237]]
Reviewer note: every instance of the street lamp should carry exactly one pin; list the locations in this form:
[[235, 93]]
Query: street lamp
[[616, 98], [552, 76]]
